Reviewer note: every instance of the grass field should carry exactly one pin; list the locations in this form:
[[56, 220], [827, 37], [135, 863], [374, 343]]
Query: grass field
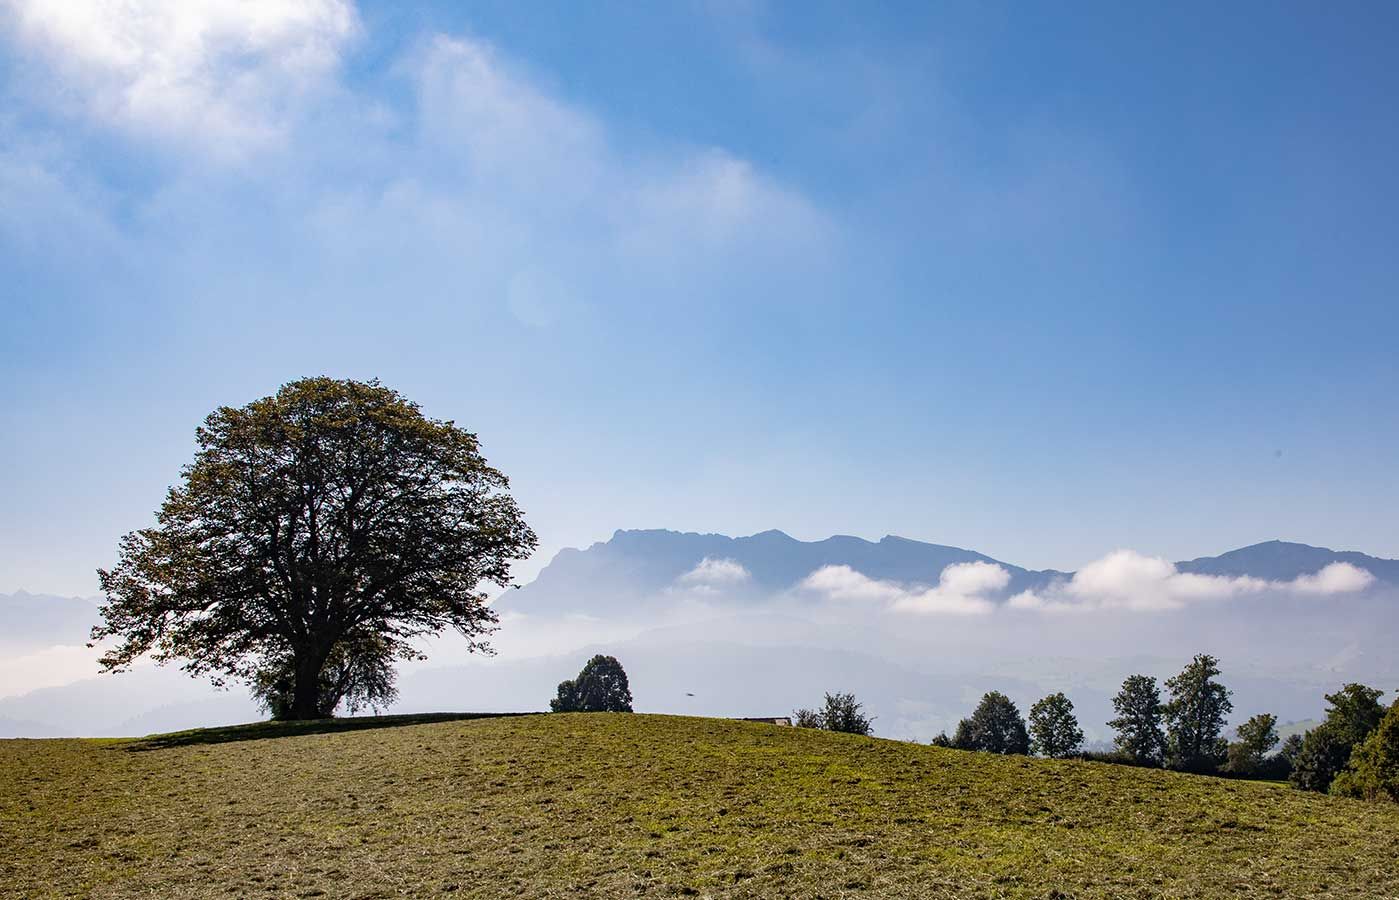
[[616, 805]]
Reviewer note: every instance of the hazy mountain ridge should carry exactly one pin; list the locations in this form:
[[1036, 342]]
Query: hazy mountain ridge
[[36, 619], [635, 564], [1286, 560]]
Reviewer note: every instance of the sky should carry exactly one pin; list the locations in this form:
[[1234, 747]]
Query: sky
[[1036, 282]]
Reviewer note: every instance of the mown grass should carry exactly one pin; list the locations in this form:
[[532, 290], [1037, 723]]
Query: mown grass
[[622, 806]]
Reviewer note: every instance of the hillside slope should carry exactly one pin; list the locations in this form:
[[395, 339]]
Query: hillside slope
[[563, 806]]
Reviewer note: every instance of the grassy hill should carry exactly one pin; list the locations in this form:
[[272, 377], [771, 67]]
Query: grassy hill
[[616, 805]]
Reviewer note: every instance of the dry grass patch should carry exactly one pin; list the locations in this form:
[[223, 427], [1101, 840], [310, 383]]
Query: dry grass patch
[[626, 806]]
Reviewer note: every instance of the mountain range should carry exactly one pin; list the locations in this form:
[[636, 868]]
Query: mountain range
[[613, 575]]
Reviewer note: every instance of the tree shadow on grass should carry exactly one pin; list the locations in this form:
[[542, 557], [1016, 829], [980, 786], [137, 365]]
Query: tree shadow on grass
[[258, 731]]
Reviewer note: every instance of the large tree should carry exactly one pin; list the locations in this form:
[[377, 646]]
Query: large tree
[[317, 533], [1195, 716], [1138, 722]]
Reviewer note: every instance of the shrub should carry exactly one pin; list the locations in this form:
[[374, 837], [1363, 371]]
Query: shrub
[[840, 712]]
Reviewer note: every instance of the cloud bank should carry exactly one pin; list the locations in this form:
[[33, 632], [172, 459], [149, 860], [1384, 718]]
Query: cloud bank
[[1127, 580], [1122, 580]]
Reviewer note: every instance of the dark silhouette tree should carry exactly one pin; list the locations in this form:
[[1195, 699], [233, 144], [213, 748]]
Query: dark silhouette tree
[[601, 687], [316, 534], [996, 727], [1373, 770], [1255, 739], [839, 712], [1138, 724], [1195, 717], [1354, 712], [1054, 730]]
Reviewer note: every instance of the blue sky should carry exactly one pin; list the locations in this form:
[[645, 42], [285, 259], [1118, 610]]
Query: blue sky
[[1042, 284]]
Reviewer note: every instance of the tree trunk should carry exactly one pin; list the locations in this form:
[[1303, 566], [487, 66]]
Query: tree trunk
[[306, 689]]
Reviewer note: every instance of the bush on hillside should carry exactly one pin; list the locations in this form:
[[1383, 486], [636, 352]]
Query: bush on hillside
[[840, 712]]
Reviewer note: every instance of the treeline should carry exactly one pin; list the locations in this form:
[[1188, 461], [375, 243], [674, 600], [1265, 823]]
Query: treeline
[[1354, 752]]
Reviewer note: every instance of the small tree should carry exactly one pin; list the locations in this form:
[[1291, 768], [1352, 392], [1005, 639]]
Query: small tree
[[1373, 770], [1195, 716], [1054, 730], [964, 738], [840, 712], [843, 713], [1322, 756], [601, 687], [1256, 738], [1138, 722], [1291, 749], [1354, 712], [995, 727]]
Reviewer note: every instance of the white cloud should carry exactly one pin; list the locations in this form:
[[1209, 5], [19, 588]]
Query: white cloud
[[223, 73], [1128, 580], [1336, 578], [715, 573], [962, 589]]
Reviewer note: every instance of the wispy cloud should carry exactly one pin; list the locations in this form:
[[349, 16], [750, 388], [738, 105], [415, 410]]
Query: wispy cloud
[[225, 74]]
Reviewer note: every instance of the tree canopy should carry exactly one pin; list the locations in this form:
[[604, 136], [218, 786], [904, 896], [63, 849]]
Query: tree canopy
[[1054, 730], [600, 687], [317, 533]]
